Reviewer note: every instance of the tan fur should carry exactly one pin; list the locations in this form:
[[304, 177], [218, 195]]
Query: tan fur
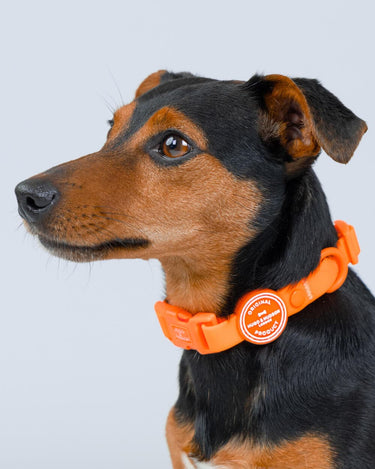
[[178, 439], [307, 452]]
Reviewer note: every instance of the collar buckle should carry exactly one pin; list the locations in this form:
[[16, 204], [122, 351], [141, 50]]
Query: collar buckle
[[184, 329]]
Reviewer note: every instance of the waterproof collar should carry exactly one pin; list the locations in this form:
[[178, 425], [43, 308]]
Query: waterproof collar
[[261, 316]]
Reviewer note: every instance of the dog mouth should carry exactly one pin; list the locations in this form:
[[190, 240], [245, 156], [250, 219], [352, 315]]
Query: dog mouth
[[77, 253]]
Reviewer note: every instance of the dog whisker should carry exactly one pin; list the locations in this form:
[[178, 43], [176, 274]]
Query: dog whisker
[[117, 87]]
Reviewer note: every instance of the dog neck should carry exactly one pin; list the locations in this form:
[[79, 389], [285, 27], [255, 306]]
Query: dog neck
[[197, 285], [284, 252]]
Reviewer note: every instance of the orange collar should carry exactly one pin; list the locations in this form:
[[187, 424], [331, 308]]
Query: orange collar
[[260, 316]]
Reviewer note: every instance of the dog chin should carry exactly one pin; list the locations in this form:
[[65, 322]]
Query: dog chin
[[101, 251]]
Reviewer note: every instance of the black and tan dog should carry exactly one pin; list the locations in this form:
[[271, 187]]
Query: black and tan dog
[[214, 179]]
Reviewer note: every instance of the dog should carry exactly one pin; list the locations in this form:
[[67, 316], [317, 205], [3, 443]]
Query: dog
[[215, 179]]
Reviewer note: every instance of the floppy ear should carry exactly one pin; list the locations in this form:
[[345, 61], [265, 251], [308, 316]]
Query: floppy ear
[[304, 117], [338, 129], [157, 78]]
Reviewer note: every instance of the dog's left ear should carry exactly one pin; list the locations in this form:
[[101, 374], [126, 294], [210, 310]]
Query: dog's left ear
[[157, 78], [304, 117]]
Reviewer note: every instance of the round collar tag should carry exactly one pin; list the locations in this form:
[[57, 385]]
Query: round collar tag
[[262, 317]]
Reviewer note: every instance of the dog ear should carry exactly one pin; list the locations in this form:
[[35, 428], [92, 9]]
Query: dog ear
[[337, 128], [149, 83], [157, 78], [304, 117]]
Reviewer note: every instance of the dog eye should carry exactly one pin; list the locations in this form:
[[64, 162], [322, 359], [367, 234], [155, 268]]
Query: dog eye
[[174, 146]]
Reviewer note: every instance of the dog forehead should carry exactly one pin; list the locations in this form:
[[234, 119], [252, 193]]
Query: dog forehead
[[225, 113], [216, 107]]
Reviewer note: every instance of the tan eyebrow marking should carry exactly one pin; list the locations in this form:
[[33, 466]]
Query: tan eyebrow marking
[[170, 118]]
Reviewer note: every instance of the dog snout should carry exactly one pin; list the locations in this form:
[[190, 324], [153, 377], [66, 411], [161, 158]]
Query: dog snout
[[36, 197]]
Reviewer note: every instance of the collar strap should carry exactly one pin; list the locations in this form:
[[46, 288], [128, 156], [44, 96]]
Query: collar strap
[[261, 316]]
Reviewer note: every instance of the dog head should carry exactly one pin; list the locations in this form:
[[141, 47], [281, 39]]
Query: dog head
[[191, 168]]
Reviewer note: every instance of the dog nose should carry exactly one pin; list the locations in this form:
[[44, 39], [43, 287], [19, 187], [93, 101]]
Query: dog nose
[[35, 198]]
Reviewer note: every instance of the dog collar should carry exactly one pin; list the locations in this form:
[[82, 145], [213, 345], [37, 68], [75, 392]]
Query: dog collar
[[260, 316]]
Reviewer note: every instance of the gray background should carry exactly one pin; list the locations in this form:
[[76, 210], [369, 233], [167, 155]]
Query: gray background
[[86, 378]]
